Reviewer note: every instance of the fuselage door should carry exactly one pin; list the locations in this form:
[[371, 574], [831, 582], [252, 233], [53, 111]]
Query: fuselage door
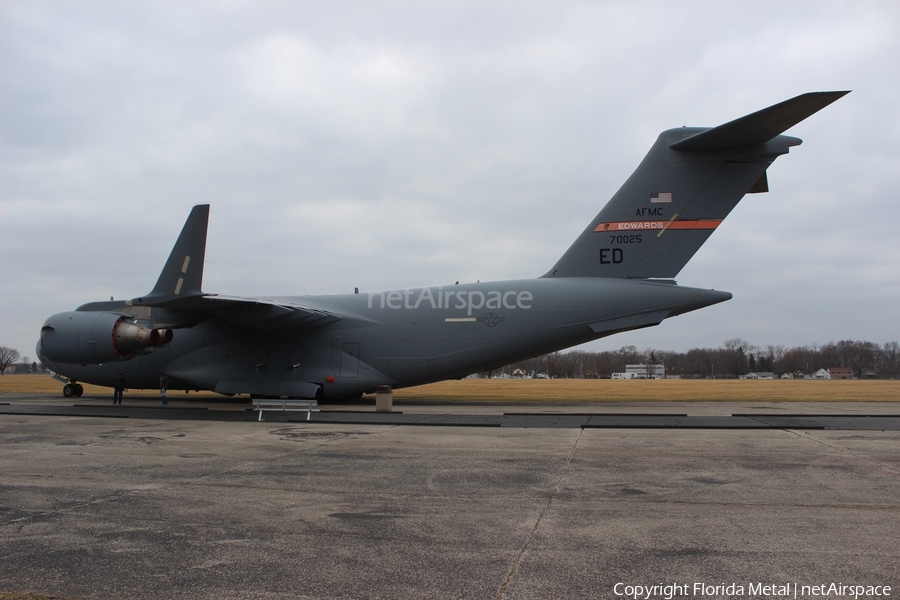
[[349, 360]]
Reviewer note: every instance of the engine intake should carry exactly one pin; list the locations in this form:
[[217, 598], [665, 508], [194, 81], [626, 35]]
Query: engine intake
[[96, 337]]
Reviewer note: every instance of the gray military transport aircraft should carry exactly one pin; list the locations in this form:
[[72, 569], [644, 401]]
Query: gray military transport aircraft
[[616, 276]]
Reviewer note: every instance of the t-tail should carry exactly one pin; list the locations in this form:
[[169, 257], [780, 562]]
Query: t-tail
[[687, 184]]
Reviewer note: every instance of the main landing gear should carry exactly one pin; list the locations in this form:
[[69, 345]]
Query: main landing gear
[[73, 389]]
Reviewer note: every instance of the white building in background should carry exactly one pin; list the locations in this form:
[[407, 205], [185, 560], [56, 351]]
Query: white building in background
[[759, 375], [645, 371], [821, 374]]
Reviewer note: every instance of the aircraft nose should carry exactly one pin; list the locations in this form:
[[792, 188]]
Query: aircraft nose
[[46, 329]]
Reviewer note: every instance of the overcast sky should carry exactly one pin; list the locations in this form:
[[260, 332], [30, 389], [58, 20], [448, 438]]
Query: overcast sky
[[388, 145]]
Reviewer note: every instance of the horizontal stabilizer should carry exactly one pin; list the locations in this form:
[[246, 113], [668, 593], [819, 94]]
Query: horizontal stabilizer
[[761, 126]]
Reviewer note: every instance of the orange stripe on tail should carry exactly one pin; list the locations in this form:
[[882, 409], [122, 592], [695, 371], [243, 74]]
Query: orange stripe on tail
[[657, 225]]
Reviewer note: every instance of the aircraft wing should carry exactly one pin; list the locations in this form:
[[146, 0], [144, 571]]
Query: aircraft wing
[[255, 313], [179, 289], [267, 315]]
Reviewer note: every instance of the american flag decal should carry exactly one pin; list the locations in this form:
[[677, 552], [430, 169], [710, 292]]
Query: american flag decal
[[661, 197]]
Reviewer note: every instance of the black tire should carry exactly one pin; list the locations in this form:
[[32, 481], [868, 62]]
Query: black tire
[[79, 390], [69, 390]]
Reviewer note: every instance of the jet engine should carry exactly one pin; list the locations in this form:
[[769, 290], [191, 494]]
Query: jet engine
[[96, 337]]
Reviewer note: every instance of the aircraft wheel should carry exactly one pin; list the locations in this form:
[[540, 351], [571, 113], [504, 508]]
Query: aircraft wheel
[[69, 390], [79, 390]]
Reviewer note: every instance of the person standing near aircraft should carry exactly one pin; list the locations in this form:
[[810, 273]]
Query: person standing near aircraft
[[163, 384], [118, 388]]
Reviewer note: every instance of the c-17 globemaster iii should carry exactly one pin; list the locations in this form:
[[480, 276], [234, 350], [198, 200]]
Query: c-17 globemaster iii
[[617, 276]]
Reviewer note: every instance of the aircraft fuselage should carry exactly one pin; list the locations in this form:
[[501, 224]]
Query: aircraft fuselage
[[399, 337]]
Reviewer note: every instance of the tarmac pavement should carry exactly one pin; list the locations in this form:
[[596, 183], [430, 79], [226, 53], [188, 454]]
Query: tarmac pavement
[[173, 507]]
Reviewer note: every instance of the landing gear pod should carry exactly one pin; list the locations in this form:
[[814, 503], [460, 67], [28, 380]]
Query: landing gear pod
[[96, 337]]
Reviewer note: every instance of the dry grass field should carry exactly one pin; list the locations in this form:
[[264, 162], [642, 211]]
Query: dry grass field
[[608, 390], [574, 390]]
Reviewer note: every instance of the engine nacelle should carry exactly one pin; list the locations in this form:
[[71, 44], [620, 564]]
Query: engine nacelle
[[87, 337]]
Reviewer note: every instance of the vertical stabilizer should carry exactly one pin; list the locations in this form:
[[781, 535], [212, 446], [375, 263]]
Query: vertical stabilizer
[[687, 184]]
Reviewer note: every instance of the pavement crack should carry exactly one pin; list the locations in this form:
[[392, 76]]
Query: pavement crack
[[844, 449], [523, 551]]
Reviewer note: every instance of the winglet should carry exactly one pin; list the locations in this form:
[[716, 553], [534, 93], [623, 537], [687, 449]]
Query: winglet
[[761, 126], [182, 275]]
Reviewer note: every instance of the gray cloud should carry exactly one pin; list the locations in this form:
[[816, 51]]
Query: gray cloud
[[391, 145]]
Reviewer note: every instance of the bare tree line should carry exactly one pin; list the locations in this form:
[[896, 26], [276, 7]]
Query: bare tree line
[[735, 358]]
